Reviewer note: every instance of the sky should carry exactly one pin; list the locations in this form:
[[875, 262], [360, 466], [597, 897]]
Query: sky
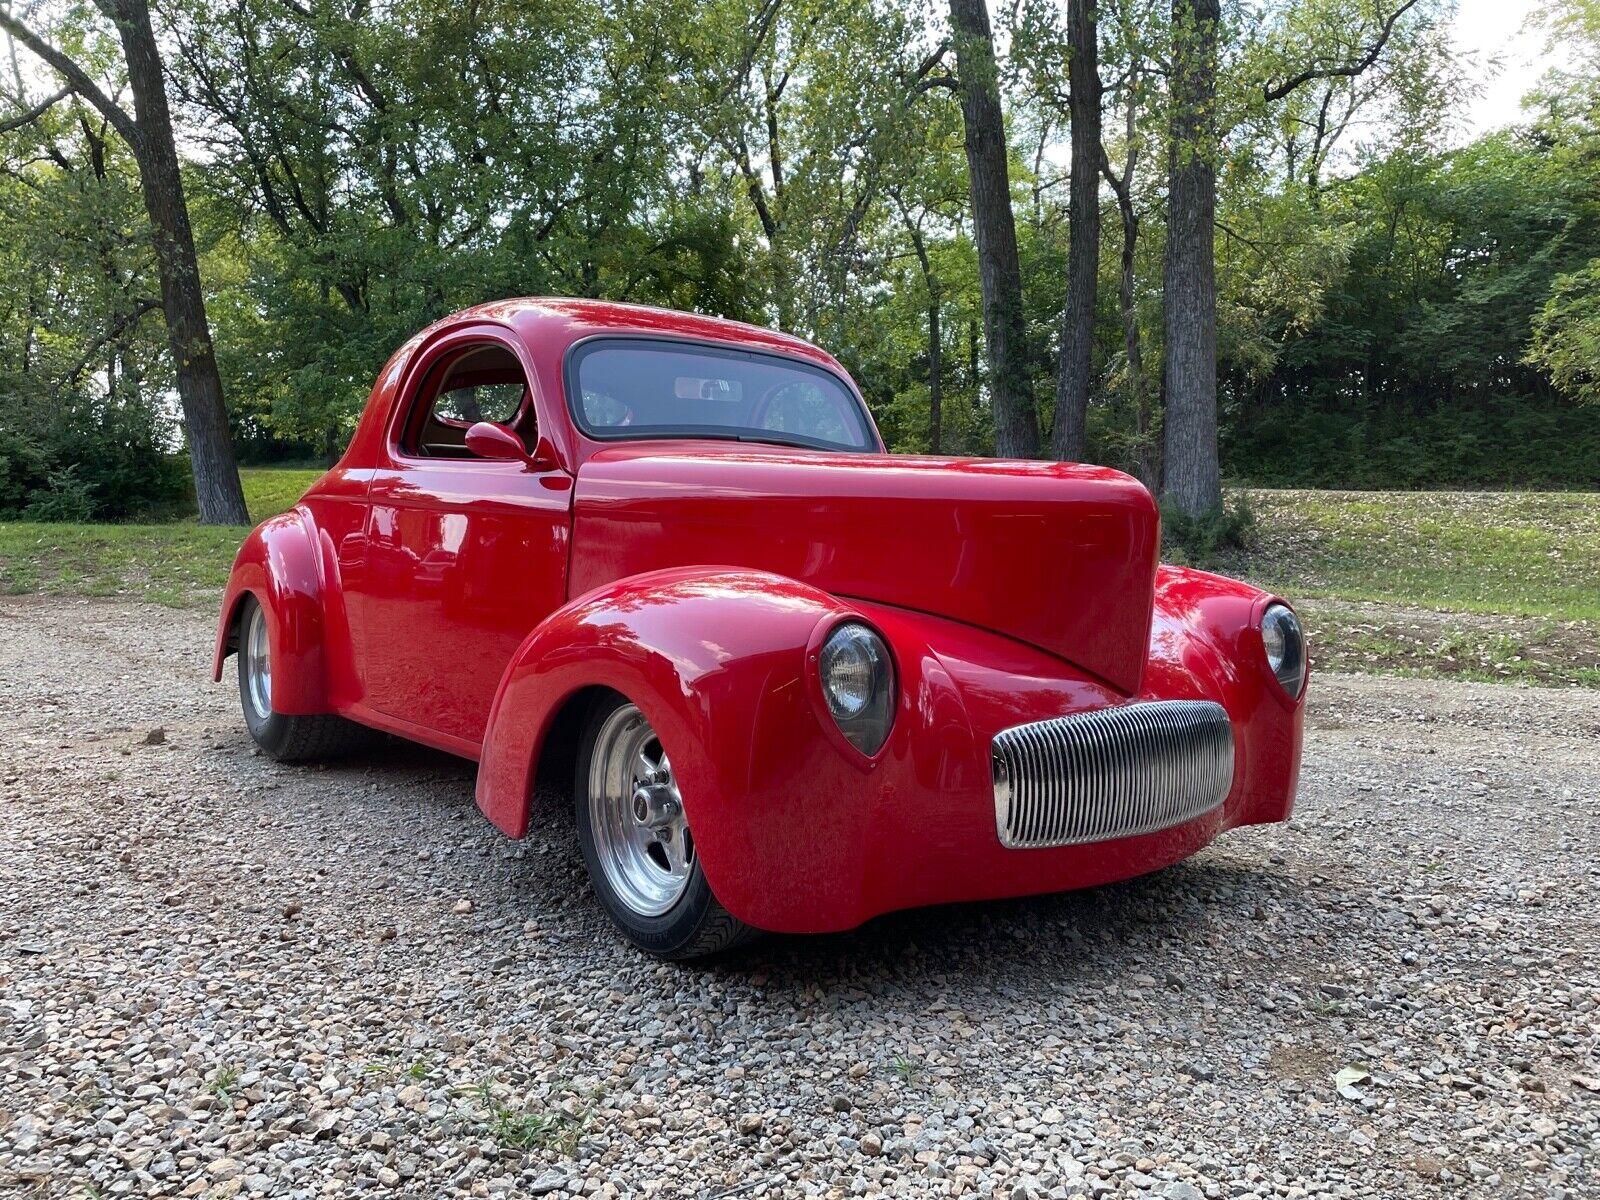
[[1501, 29]]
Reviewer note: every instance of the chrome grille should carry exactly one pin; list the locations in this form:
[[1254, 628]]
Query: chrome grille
[[1110, 773]]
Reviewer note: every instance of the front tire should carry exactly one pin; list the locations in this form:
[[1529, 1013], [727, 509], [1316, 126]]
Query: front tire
[[637, 844], [283, 737]]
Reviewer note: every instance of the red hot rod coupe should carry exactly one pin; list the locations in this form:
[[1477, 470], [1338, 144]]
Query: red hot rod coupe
[[794, 681]]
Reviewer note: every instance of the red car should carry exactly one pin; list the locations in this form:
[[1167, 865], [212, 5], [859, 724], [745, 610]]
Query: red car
[[793, 681]]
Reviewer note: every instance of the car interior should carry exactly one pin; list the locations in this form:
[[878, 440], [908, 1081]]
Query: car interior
[[481, 383]]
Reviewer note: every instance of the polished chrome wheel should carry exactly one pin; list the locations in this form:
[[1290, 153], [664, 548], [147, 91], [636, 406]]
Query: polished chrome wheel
[[641, 838], [258, 664]]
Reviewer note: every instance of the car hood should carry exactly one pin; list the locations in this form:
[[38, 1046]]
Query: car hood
[[1059, 555]]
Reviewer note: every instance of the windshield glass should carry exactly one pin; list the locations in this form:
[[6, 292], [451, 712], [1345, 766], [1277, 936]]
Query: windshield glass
[[637, 389]]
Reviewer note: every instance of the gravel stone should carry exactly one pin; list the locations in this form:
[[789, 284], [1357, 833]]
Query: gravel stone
[[224, 977]]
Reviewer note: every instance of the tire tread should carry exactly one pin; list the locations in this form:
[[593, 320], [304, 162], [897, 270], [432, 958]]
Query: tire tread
[[719, 931], [324, 736]]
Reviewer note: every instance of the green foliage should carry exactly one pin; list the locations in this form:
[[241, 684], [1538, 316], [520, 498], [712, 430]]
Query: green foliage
[[64, 497], [1450, 345], [1566, 333], [1394, 309], [80, 457], [1204, 540], [1537, 442]]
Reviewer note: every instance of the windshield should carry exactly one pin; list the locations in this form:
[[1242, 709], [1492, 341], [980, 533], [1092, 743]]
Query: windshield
[[627, 388]]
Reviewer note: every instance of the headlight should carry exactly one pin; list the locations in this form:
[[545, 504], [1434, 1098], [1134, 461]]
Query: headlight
[[858, 685], [1286, 647]]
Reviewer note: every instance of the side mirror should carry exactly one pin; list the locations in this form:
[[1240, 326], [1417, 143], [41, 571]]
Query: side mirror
[[488, 440], [491, 441]]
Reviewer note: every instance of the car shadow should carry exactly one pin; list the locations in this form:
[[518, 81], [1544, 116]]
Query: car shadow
[[1155, 925]]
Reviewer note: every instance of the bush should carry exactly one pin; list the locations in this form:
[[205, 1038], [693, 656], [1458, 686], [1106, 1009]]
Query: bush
[[23, 468], [1202, 540], [58, 453], [1512, 441], [64, 498]]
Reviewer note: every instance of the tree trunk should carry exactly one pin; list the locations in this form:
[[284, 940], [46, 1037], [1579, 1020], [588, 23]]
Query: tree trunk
[[1192, 476], [1016, 424], [205, 417], [1147, 457], [935, 372], [1083, 250], [1132, 346]]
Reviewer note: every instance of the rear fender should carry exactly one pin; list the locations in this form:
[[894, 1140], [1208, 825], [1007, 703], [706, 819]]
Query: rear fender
[[279, 565], [715, 658]]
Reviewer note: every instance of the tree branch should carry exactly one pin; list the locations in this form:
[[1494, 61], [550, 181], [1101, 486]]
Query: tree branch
[[118, 328], [77, 78], [34, 113], [1348, 69]]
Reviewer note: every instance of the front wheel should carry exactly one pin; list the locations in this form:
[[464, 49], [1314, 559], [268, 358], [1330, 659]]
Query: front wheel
[[637, 843], [283, 737]]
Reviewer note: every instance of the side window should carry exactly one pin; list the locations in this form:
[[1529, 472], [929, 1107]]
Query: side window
[[469, 403], [483, 383]]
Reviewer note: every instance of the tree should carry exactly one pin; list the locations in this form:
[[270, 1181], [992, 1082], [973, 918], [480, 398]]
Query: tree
[[1016, 423], [148, 134], [1193, 478], [1083, 253], [935, 299], [1124, 183]]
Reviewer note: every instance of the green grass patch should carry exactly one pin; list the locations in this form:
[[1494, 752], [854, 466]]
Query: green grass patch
[[173, 564], [1475, 585], [1530, 554]]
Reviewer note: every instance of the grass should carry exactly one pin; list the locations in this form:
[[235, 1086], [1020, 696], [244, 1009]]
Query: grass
[[525, 1128], [174, 564], [1477, 585], [223, 1082], [1531, 554], [1498, 586], [905, 1067]]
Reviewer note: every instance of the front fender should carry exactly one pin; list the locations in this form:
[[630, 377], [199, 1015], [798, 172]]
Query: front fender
[[715, 659], [279, 565], [1206, 634], [796, 833]]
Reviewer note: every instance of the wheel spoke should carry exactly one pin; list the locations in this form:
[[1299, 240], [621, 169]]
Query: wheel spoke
[[645, 769], [672, 841]]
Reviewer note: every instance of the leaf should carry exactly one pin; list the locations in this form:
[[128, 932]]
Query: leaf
[[1346, 1079]]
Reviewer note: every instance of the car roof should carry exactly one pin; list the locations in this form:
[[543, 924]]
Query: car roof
[[554, 323], [547, 327]]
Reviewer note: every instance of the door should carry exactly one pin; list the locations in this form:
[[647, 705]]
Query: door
[[464, 555]]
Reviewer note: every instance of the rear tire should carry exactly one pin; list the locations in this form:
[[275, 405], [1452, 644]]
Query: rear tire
[[636, 841], [283, 737]]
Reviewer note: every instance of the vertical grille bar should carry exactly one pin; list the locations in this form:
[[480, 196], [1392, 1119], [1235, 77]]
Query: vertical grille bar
[[1111, 773]]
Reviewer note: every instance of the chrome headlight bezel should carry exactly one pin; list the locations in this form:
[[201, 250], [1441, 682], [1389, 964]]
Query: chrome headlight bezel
[[856, 676], [1283, 642]]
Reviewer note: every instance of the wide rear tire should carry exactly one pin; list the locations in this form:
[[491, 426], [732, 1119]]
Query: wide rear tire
[[280, 736], [637, 844]]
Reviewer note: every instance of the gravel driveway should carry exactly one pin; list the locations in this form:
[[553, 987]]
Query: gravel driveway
[[220, 976]]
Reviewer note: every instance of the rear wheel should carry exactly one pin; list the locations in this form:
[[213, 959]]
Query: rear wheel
[[637, 843], [283, 737]]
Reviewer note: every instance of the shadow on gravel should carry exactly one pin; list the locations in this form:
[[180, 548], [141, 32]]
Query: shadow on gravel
[[1101, 935]]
